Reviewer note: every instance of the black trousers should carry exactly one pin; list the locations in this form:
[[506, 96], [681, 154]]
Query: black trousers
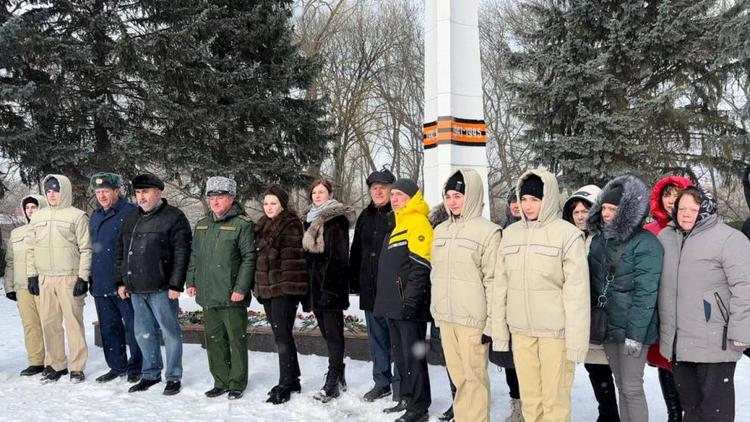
[[410, 355], [603, 384], [511, 378], [281, 312], [706, 390], [331, 326]]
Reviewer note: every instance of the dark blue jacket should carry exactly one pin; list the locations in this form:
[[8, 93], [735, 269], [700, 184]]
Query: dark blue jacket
[[105, 227]]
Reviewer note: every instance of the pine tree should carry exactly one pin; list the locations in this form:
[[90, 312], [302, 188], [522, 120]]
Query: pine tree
[[631, 86], [229, 91]]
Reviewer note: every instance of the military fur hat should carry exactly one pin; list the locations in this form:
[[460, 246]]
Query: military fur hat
[[106, 180], [221, 185]]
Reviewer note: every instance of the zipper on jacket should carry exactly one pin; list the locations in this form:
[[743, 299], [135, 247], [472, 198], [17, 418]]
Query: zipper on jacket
[[130, 248], [676, 294], [525, 279], [400, 289]]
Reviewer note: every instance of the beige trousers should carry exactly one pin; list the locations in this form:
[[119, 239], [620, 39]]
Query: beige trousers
[[545, 377], [59, 307], [28, 308], [466, 358]]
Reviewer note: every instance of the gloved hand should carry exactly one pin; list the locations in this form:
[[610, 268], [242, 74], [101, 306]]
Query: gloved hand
[[34, 285], [11, 296], [486, 339], [738, 345], [80, 288], [408, 312], [632, 347]]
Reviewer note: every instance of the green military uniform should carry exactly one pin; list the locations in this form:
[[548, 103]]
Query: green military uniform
[[222, 261]]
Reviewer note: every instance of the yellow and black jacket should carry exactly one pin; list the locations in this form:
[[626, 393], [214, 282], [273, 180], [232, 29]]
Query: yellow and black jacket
[[404, 266]]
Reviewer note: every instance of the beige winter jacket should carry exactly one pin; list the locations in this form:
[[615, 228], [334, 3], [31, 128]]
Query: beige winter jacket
[[57, 239], [542, 278], [15, 258], [464, 250]]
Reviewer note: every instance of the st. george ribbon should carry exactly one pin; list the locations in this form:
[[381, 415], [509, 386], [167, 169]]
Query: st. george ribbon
[[454, 131]]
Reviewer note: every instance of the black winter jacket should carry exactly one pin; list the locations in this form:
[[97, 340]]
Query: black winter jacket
[[746, 186], [373, 225], [327, 268], [153, 250]]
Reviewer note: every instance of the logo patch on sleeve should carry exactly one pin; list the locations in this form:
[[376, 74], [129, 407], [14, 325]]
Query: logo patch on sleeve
[[421, 238]]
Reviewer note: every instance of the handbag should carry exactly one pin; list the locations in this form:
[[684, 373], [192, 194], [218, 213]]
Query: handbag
[[598, 329]]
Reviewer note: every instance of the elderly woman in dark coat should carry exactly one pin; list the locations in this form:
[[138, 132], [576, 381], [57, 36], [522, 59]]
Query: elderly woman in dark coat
[[326, 244], [281, 283], [704, 305]]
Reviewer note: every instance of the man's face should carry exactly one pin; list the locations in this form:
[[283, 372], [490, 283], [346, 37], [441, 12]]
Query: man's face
[[398, 199], [454, 201], [148, 198], [30, 209], [380, 193], [107, 197], [53, 198], [531, 205], [220, 203]]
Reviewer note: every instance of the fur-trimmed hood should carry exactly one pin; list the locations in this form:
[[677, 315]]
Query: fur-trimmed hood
[[632, 210], [657, 209], [312, 241], [438, 214]]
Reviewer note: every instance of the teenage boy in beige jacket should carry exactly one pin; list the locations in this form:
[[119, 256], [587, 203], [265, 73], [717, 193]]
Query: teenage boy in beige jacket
[[541, 296]]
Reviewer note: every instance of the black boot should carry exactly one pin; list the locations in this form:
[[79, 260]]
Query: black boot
[[671, 398], [377, 392], [332, 388], [447, 416], [54, 375], [32, 370], [109, 376], [414, 416], [399, 407], [143, 385], [282, 393]]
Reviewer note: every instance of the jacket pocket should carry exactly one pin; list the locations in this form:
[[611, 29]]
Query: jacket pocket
[[547, 310], [467, 251], [512, 262], [440, 250], [546, 260], [65, 231], [41, 231]]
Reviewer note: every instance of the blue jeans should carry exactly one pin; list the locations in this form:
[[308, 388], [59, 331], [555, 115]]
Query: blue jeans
[[379, 340], [156, 312], [116, 325]]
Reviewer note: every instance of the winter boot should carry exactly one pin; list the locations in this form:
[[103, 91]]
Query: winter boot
[[414, 416], [342, 378], [54, 375], [172, 388], [671, 398], [332, 388], [143, 385], [235, 394], [447, 416], [515, 411], [77, 376], [32, 370], [399, 407], [282, 393], [215, 392], [377, 392], [109, 376]]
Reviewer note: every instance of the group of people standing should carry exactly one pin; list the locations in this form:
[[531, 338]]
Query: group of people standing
[[675, 293]]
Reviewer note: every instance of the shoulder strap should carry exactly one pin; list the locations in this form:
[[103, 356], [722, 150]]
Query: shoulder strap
[[609, 276]]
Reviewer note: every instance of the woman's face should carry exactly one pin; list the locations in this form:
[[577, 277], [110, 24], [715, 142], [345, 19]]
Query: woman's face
[[668, 197], [609, 212], [319, 195], [272, 206], [687, 212], [580, 212]]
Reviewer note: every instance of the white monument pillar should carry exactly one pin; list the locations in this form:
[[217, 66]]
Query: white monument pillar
[[455, 134]]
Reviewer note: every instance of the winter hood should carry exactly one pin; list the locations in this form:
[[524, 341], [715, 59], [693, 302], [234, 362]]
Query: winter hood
[[588, 193], [551, 201], [708, 208], [657, 210], [632, 210], [415, 205], [473, 195], [39, 198], [66, 190]]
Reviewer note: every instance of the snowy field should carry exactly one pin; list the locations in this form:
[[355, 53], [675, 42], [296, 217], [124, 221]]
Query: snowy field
[[26, 399]]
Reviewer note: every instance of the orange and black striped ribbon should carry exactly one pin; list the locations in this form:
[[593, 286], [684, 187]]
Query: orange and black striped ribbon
[[452, 130]]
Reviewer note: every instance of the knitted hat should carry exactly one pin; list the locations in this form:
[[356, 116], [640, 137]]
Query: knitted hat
[[456, 183], [278, 192], [512, 195], [406, 186], [533, 186], [52, 184], [612, 196]]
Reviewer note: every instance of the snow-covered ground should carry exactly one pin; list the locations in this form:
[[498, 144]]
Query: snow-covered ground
[[26, 399]]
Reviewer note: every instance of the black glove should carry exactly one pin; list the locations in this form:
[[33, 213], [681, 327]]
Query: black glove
[[34, 285], [11, 296], [408, 312], [486, 339], [80, 288]]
